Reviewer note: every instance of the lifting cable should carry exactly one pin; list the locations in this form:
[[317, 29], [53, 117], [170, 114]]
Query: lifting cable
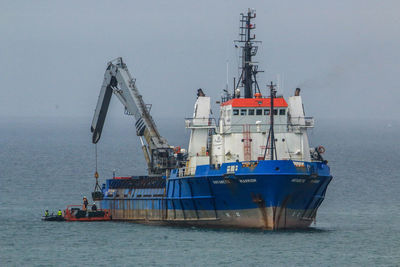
[[96, 174]]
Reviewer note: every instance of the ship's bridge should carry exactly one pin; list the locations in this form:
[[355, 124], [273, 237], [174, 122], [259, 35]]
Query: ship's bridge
[[237, 112]]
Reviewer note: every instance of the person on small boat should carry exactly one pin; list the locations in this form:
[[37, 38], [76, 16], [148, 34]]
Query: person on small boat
[[94, 207], [85, 203], [46, 213], [59, 213]]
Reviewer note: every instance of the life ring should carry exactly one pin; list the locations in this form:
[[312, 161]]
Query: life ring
[[321, 150]]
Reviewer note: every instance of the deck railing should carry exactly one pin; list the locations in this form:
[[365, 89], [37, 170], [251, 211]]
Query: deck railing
[[186, 171], [296, 123], [200, 123], [302, 121]]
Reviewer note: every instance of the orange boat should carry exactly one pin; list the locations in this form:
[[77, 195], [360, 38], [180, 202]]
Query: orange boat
[[77, 213]]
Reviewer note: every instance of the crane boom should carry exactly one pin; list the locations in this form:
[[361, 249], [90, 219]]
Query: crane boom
[[117, 80]]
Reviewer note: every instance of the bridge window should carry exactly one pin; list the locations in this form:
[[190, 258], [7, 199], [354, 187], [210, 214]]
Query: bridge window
[[243, 112], [251, 112], [266, 111], [282, 111], [258, 111], [275, 111], [235, 112]]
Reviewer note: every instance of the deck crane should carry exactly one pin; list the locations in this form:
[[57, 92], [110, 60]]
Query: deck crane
[[117, 80]]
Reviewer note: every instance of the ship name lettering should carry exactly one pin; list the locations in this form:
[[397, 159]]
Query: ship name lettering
[[296, 180], [219, 182], [244, 181]]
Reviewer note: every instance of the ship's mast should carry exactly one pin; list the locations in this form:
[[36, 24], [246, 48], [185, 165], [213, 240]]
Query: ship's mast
[[247, 42], [271, 135]]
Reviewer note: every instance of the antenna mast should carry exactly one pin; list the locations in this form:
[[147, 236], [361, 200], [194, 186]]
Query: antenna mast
[[247, 42], [271, 135]]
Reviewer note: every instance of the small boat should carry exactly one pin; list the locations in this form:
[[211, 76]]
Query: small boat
[[54, 218], [77, 213]]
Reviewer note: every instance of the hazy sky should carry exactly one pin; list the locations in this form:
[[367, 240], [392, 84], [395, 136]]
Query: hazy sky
[[345, 55]]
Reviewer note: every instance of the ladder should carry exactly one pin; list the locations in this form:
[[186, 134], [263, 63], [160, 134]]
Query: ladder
[[246, 142]]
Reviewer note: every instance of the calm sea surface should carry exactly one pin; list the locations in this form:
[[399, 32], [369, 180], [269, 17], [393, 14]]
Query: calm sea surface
[[49, 163]]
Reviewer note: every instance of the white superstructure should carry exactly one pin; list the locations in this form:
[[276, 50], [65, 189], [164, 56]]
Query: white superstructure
[[242, 131]]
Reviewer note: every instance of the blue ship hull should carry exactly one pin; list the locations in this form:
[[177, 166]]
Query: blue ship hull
[[261, 194]]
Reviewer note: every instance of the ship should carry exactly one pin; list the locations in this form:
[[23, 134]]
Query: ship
[[253, 167]]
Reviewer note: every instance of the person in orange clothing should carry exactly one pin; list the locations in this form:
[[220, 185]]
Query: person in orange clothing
[[85, 203]]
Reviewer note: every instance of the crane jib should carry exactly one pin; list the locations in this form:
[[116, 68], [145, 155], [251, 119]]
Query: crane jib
[[118, 80], [97, 128]]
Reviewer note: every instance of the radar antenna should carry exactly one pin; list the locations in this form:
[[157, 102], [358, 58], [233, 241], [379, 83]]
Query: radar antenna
[[248, 77]]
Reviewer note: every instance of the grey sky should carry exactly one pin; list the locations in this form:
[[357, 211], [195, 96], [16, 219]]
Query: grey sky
[[343, 54]]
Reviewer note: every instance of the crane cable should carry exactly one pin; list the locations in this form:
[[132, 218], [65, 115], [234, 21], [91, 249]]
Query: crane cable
[[96, 174]]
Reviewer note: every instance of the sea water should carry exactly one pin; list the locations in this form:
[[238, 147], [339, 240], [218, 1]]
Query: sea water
[[47, 163]]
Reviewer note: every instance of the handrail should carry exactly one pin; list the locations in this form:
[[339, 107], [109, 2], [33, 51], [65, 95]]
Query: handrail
[[306, 119], [308, 123], [69, 206], [200, 123], [302, 121], [186, 171]]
